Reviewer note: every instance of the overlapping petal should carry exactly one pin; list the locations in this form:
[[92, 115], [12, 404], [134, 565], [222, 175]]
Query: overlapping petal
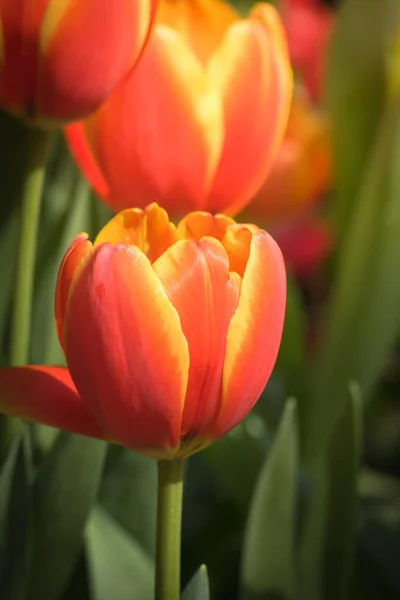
[[67, 84], [254, 332], [198, 123], [252, 73], [46, 395], [159, 137], [195, 276], [77, 251], [60, 59], [126, 351]]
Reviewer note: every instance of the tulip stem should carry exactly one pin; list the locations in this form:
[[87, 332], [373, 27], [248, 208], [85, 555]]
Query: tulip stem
[[169, 517], [35, 157]]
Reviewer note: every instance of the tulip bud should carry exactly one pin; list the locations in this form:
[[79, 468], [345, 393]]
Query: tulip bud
[[198, 123], [170, 333], [61, 59]]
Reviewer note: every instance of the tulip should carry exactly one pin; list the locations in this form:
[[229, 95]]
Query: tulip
[[305, 245], [302, 171], [197, 124], [61, 59], [170, 333], [308, 25]]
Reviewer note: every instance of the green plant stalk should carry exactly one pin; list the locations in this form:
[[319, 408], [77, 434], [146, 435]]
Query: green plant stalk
[[37, 143], [169, 518], [36, 154]]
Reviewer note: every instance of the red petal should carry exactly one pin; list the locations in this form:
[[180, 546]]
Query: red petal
[[254, 332], [126, 351], [196, 279], [81, 151], [86, 48], [19, 29], [46, 395], [79, 248], [159, 137], [252, 71]]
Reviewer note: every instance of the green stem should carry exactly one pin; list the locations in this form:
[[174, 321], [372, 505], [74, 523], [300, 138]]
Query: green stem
[[36, 153], [169, 517], [32, 186]]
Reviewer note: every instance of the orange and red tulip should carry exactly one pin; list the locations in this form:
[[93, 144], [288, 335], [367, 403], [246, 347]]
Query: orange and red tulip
[[170, 333], [59, 60], [302, 172], [308, 26], [198, 123]]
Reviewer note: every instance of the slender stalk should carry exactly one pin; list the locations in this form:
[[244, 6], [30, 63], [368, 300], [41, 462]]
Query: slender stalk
[[36, 153], [169, 517]]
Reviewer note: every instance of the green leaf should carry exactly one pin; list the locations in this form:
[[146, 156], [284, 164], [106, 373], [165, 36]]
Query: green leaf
[[355, 94], [65, 489], [312, 535], [118, 567], [344, 458], [268, 555], [16, 502], [66, 213], [129, 493], [364, 315], [198, 587]]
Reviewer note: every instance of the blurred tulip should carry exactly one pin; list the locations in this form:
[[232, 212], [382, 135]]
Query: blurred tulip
[[302, 171], [308, 26], [61, 59], [170, 333], [198, 123], [305, 245]]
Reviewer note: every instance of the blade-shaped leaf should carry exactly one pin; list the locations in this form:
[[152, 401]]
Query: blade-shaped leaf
[[356, 90], [118, 567], [344, 457], [16, 502], [65, 488], [268, 567], [364, 315], [129, 493], [198, 587], [312, 535]]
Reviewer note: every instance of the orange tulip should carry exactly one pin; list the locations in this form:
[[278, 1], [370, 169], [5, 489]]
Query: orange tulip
[[198, 123], [60, 59], [170, 333], [302, 171]]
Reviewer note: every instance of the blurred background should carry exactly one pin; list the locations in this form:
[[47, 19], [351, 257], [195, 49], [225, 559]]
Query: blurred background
[[302, 499]]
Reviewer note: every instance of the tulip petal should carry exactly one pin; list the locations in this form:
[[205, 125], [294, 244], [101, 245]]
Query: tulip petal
[[86, 47], [20, 23], [79, 146], [149, 229], [126, 351], [159, 136], [252, 72], [202, 23], [237, 243], [79, 248], [196, 279], [46, 395], [254, 332], [200, 224]]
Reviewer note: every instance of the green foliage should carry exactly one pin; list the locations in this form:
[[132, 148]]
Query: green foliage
[[119, 568], [65, 489], [198, 587], [356, 87], [16, 518], [364, 315], [268, 554]]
